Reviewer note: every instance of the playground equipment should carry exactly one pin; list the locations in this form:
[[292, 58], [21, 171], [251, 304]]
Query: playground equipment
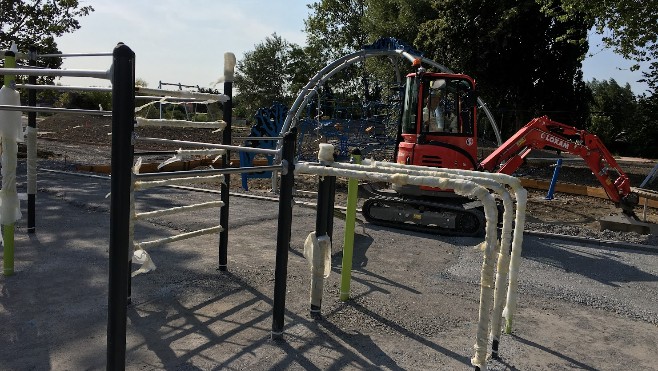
[[468, 183], [422, 176]]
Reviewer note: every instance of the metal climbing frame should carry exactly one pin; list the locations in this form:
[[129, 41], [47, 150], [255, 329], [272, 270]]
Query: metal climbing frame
[[384, 47]]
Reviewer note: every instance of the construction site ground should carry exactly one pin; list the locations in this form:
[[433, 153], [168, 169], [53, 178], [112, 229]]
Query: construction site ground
[[414, 298]]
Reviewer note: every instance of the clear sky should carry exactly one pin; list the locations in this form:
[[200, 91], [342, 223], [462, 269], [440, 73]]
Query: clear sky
[[179, 41]]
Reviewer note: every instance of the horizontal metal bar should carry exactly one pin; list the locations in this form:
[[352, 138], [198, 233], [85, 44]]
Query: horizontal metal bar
[[18, 55], [55, 72], [257, 138], [70, 55], [178, 209], [155, 153], [210, 145], [182, 93], [169, 100], [192, 173], [178, 237], [63, 88], [101, 89], [54, 110]]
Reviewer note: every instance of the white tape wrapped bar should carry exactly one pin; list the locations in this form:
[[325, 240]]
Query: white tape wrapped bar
[[501, 249], [141, 185], [138, 256], [317, 251], [461, 187], [183, 94], [11, 133], [31, 142], [178, 237], [180, 209], [145, 262], [326, 153], [219, 125], [181, 154], [515, 261], [521, 196]]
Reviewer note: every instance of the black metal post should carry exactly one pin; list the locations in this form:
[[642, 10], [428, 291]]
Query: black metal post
[[223, 213], [123, 119], [322, 217], [330, 209], [32, 123], [283, 233]]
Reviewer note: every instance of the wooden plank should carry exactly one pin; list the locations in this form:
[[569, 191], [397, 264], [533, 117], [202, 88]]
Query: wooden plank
[[576, 189]]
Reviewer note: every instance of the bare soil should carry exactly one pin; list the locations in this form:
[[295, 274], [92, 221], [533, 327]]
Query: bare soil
[[414, 297], [566, 213]]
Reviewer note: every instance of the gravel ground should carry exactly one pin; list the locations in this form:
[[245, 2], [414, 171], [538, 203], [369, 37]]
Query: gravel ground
[[569, 215], [413, 299]]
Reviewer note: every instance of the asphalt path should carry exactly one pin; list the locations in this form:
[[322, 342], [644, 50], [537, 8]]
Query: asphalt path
[[413, 304]]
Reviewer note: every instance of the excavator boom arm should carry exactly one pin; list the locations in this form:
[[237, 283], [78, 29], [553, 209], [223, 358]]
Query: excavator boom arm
[[543, 133]]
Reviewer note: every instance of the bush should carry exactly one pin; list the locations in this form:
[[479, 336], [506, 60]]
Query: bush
[[91, 100]]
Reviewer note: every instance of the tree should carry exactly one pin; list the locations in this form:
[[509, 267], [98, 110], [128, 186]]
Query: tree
[[400, 19], [271, 72], [629, 27], [38, 22], [645, 134], [335, 27], [613, 111], [526, 63]]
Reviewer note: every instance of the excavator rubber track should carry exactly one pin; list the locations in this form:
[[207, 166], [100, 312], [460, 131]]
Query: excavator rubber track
[[442, 218]]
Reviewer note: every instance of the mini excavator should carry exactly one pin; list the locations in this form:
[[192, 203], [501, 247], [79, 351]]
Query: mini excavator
[[438, 129]]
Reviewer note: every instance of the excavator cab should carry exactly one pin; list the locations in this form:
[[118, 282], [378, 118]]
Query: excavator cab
[[438, 121]]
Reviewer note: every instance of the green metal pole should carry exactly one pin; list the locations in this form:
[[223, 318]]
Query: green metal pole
[[8, 229], [350, 221]]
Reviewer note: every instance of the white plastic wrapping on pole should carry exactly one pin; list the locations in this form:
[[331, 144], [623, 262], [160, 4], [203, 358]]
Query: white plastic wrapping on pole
[[229, 67], [31, 142], [326, 153], [515, 260], [502, 267], [138, 256], [462, 187], [519, 224], [11, 133], [317, 251]]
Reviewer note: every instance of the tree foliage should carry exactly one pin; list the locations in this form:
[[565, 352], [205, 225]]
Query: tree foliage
[[629, 27], [335, 27], [38, 22], [272, 72], [613, 110], [626, 124], [526, 63]]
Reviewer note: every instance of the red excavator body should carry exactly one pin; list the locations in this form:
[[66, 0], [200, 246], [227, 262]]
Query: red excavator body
[[439, 130]]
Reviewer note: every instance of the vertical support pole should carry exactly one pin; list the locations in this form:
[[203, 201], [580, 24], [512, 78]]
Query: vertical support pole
[[31, 148], [229, 68], [348, 242], [556, 172], [9, 157], [330, 208], [283, 232], [321, 229], [123, 120]]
